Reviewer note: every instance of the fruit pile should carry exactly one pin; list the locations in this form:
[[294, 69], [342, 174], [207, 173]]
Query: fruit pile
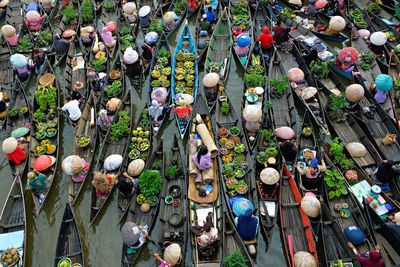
[[10, 257]]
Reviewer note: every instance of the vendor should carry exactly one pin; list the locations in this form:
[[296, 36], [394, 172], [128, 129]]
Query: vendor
[[87, 35], [37, 182], [211, 18], [169, 19], [14, 150], [202, 159], [3, 5], [130, 12], [127, 185], [157, 112], [81, 176], [277, 30], [247, 225], [266, 39], [10, 35], [103, 183], [386, 172], [103, 120], [311, 174], [107, 36], [60, 45], [72, 107], [182, 111], [22, 65], [242, 47], [172, 256], [148, 47], [144, 16], [132, 63], [288, 149], [134, 236], [205, 26], [38, 59], [33, 21], [374, 258], [206, 235]]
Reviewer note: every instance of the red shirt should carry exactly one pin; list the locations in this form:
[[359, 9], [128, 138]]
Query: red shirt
[[277, 30], [266, 38], [374, 260]]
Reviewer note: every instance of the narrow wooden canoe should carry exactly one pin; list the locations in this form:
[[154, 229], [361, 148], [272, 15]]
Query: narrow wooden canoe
[[135, 213], [186, 44], [6, 69], [13, 221], [69, 241], [110, 147], [219, 52], [87, 20], [19, 101], [296, 228], [40, 198], [182, 14], [84, 127], [175, 186]]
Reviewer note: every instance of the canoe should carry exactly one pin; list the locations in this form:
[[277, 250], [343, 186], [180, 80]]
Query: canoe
[[203, 41], [162, 51], [229, 175], [35, 140], [89, 19], [68, 241], [381, 14], [261, 16], [240, 5], [87, 128], [200, 207], [142, 125], [175, 186], [232, 242], [148, 218], [6, 69], [179, 11], [106, 16], [19, 101], [219, 52], [112, 144], [14, 15], [187, 46], [13, 220], [296, 228]]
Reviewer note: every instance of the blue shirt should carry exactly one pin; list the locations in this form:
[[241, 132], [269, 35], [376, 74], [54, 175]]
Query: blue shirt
[[210, 16]]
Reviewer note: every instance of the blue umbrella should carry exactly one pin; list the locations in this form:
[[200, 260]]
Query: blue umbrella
[[151, 38], [384, 82], [241, 206], [18, 60], [243, 40]]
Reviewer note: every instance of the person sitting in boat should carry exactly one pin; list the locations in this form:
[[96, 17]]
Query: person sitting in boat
[[37, 181], [310, 57], [202, 159], [32, 6], [88, 34], [386, 172], [10, 34], [205, 26], [127, 185], [288, 149], [103, 120], [311, 173], [130, 12], [157, 111], [394, 223], [75, 95], [144, 16], [247, 225], [3, 105], [72, 107], [382, 85], [107, 37], [182, 111], [47, 5], [134, 236], [3, 5], [33, 21], [14, 150], [103, 183], [374, 258], [98, 80], [148, 47], [38, 59], [81, 176], [170, 19], [266, 40], [22, 65], [285, 41], [172, 256], [206, 235], [133, 68], [277, 30], [60, 45], [211, 18]]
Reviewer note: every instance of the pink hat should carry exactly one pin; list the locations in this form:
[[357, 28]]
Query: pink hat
[[111, 26]]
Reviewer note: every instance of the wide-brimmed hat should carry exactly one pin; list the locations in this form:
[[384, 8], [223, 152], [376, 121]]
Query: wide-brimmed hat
[[144, 11]]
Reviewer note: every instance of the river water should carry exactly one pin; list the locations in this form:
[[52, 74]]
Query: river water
[[102, 244]]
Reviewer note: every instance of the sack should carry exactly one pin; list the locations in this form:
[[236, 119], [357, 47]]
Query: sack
[[389, 139]]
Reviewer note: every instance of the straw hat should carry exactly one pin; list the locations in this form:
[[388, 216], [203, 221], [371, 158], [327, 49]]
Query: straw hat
[[32, 15], [285, 132], [348, 55], [383, 82], [151, 38], [304, 259], [144, 11], [295, 75], [397, 218], [72, 165], [129, 8], [18, 60], [169, 17], [43, 162], [337, 23], [113, 162], [269, 176], [252, 113], [378, 38], [308, 92], [321, 3], [8, 30], [68, 33], [4, 3], [356, 150], [111, 26], [173, 254], [9, 145], [135, 167], [311, 205], [354, 92], [211, 79], [130, 56], [364, 33], [130, 233]]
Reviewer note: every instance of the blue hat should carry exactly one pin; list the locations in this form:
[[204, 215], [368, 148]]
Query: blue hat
[[354, 234], [242, 206], [243, 40], [151, 38], [384, 82], [314, 163]]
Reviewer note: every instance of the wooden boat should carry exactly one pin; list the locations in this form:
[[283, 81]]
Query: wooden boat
[[295, 225], [203, 41], [19, 101], [261, 17], [75, 72], [381, 14], [14, 15], [200, 207], [174, 186], [224, 177], [6, 69], [89, 19], [106, 16], [218, 58], [69, 241], [232, 242], [40, 198], [162, 50], [13, 220], [117, 69], [147, 156], [110, 147], [185, 45], [153, 14], [179, 11], [249, 29], [148, 218], [86, 127], [222, 118]]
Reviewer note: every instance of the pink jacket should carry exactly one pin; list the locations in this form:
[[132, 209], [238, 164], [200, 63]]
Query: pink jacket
[[34, 25], [13, 40]]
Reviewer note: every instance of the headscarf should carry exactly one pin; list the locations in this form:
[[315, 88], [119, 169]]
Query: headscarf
[[103, 118], [247, 225], [155, 110]]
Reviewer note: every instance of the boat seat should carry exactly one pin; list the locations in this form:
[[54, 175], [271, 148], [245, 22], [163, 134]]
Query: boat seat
[[290, 205], [70, 255], [249, 242], [69, 220], [12, 225]]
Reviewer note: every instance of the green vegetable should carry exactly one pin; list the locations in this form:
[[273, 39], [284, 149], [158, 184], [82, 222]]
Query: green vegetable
[[335, 182], [13, 112], [150, 182], [254, 80], [173, 171], [109, 5], [121, 127], [336, 102], [44, 39], [225, 108], [24, 45], [156, 25], [373, 7], [366, 59], [235, 260], [114, 89], [46, 97], [87, 13], [70, 13], [156, 165], [280, 85], [98, 64], [319, 68]]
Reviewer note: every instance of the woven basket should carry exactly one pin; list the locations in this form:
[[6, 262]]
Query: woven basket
[[47, 79]]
